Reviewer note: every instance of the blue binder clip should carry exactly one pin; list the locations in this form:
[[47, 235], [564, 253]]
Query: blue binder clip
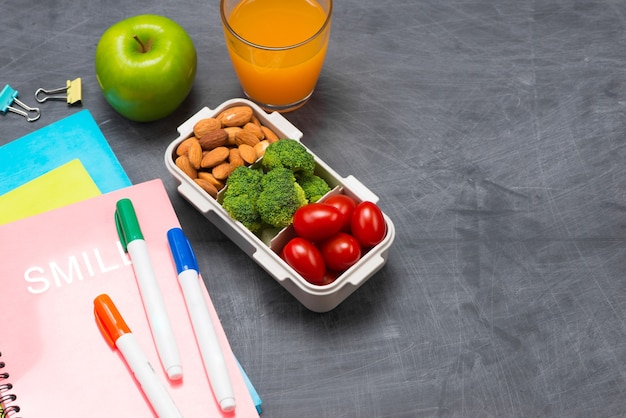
[[8, 96]]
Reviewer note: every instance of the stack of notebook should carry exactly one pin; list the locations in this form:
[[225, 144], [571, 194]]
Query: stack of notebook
[[62, 249]]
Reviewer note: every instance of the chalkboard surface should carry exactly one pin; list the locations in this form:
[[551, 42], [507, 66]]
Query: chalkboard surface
[[494, 134]]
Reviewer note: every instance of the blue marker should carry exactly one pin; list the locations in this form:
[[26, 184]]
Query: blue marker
[[210, 349]]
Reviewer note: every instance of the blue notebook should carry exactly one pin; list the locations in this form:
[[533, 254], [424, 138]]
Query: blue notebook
[[76, 136]]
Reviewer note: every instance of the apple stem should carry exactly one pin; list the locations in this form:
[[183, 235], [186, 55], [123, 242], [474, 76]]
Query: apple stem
[[143, 47]]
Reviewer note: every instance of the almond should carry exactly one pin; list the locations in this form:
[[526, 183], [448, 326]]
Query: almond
[[206, 125], [248, 153], [235, 159], [214, 157], [194, 153], [246, 137], [269, 134], [260, 148], [205, 175], [183, 147], [221, 171], [232, 131], [255, 129], [255, 120], [207, 187], [183, 163], [213, 139], [236, 116]]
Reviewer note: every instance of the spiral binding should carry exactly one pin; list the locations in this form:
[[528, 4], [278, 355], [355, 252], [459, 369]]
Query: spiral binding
[[7, 408]]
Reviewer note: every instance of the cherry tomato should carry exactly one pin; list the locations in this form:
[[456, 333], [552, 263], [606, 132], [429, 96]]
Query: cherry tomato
[[331, 276], [317, 221], [346, 206], [340, 251], [305, 258], [368, 224]]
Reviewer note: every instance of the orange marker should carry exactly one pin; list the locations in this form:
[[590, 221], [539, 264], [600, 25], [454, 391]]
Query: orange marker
[[118, 335]]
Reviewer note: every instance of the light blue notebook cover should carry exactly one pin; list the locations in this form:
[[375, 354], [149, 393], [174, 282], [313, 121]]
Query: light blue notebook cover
[[76, 136]]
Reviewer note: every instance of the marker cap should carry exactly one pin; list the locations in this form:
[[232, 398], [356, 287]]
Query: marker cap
[[126, 222], [183, 254], [109, 320]]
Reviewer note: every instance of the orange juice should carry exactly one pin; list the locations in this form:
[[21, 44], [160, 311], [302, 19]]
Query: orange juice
[[277, 48]]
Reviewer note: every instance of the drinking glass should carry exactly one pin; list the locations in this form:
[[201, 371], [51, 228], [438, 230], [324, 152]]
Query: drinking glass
[[277, 48]]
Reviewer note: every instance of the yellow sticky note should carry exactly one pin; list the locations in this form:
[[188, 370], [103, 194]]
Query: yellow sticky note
[[66, 184]]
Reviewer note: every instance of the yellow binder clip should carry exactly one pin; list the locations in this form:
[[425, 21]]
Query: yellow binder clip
[[73, 89]]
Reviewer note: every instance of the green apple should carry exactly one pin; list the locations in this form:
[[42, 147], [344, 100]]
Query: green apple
[[145, 66]]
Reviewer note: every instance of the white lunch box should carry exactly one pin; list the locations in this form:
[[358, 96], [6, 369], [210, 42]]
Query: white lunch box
[[314, 297]]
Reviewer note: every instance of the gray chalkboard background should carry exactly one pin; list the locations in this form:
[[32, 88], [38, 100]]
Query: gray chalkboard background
[[493, 133]]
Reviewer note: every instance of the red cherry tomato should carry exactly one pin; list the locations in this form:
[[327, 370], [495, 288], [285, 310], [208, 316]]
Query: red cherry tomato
[[340, 251], [306, 259], [346, 206], [368, 224], [331, 276], [317, 221]]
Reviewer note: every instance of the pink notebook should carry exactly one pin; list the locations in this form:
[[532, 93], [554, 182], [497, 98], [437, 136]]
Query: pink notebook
[[53, 266]]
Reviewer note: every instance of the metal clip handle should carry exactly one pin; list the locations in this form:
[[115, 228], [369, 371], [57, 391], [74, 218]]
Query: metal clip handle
[[73, 89], [8, 96]]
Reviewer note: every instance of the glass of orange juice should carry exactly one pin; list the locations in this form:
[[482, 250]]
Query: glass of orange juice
[[277, 48]]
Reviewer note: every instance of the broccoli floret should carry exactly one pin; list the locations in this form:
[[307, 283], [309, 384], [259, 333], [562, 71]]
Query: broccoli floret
[[240, 197], [277, 176], [280, 198], [244, 180], [242, 207], [290, 154], [314, 186]]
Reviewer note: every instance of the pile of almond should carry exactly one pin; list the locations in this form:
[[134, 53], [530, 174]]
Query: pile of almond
[[233, 138]]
